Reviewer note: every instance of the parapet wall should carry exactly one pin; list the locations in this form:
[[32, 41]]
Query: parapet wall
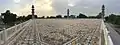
[[8, 33], [108, 40]]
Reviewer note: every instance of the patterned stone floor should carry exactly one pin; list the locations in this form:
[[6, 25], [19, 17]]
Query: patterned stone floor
[[59, 31]]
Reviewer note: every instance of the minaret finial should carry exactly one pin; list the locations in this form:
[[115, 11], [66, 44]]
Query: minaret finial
[[32, 6]]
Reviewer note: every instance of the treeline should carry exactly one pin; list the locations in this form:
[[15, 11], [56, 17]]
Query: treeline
[[71, 16], [114, 19], [24, 18], [9, 17]]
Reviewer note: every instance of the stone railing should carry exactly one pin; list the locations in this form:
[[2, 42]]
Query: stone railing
[[108, 40], [8, 33]]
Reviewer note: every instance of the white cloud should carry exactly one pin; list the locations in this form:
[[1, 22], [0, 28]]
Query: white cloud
[[85, 7], [53, 7], [16, 1], [42, 8], [71, 5]]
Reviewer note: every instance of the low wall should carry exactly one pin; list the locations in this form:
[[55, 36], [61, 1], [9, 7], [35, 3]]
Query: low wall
[[108, 40], [8, 33]]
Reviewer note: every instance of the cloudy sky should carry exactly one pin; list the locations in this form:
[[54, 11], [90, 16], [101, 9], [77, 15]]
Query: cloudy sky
[[54, 7]]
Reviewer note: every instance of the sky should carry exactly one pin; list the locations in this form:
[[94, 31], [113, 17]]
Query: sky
[[55, 7]]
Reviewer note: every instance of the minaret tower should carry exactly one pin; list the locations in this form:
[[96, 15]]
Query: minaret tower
[[34, 26], [68, 13], [103, 11], [33, 12]]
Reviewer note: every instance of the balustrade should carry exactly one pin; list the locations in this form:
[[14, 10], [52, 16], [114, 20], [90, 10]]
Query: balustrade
[[11, 31]]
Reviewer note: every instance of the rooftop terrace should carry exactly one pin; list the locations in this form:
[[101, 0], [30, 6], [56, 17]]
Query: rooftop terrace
[[59, 32]]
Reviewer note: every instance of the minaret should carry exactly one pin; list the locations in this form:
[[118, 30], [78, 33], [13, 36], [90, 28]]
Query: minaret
[[103, 11], [67, 13], [33, 11], [34, 25]]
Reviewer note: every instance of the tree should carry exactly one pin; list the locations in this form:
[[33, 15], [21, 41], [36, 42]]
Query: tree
[[99, 15], [65, 16], [8, 17], [92, 17], [43, 17], [72, 16], [35, 16], [58, 16], [81, 16], [19, 18], [30, 17], [47, 17], [106, 18], [52, 17], [112, 18], [117, 20]]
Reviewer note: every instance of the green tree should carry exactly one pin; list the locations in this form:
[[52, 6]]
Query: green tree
[[72, 16], [99, 16], [117, 20], [112, 18], [82, 16], [8, 17], [30, 17], [58, 16], [65, 16]]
